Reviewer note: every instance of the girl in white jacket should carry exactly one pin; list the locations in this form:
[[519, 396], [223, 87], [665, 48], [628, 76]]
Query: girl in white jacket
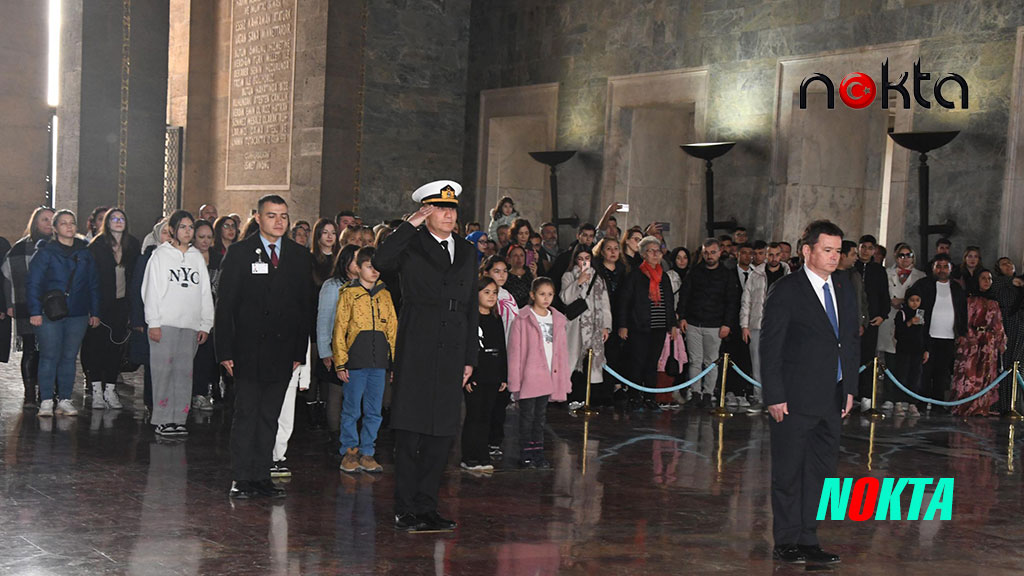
[[179, 310]]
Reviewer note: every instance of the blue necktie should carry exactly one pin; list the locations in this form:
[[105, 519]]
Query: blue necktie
[[830, 310]]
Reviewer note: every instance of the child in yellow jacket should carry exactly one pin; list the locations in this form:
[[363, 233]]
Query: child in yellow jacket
[[365, 330]]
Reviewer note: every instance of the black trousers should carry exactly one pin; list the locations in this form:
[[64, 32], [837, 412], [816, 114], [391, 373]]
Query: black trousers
[[496, 437], [104, 346], [645, 350], [907, 369], [739, 354], [937, 375], [805, 451], [868, 344], [420, 460], [254, 428], [29, 361], [205, 370], [477, 426], [533, 415]]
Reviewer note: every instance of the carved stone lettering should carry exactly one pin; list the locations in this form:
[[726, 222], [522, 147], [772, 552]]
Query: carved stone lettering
[[261, 82]]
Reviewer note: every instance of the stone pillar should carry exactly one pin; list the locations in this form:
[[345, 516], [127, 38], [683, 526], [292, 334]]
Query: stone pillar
[[92, 145], [23, 113]]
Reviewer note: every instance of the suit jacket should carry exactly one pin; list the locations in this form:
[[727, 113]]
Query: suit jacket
[[263, 321], [437, 328], [926, 288], [876, 288], [799, 348]]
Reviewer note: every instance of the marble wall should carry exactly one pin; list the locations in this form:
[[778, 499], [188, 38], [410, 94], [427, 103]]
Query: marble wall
[[413, 122], [23, 114], [741, 43]]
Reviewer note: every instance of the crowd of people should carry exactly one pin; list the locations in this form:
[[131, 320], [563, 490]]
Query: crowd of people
[[546, 321]]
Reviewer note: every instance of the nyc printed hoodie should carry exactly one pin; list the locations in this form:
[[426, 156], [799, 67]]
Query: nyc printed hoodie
[[176, 289]]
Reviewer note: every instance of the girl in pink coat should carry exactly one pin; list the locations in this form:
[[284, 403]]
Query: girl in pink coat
[[538, 368]]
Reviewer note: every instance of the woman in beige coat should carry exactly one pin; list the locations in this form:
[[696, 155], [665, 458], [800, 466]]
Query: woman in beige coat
[[590, 329]]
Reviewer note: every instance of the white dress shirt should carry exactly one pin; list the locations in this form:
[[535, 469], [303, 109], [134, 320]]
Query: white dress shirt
[[817, 283]]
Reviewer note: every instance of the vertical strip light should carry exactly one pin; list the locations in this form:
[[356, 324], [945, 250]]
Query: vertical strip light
[[53, 56]]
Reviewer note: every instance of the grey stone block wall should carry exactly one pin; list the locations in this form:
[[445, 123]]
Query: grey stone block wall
[[414, 103], [580, 43]]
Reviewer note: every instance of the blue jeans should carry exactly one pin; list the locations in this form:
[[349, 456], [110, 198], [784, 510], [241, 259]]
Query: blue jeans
[[59, 342], [365, 387]]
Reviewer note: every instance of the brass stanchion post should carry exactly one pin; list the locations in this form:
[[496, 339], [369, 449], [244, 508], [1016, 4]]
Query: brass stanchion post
[[721, 412], [871, 444], [586, 410], [1009, 450], [586, 434], [721, 447], [1013, 413], [874, 412]]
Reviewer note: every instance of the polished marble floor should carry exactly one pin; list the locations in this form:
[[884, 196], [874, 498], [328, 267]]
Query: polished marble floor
[[669, 493]]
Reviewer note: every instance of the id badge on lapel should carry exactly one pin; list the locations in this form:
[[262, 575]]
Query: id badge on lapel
[[260, 268]]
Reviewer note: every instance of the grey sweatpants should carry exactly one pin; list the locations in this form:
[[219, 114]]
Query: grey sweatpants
[[702, 345], [171, 362]]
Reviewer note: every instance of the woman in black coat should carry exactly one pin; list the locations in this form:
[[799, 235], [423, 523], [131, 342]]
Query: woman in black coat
[[115, 252], [645, 315]]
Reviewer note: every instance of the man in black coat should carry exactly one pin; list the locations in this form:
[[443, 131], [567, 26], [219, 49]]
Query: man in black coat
[[945, 319], [263, 321], [876, 289], [436, 348], [809, 360]]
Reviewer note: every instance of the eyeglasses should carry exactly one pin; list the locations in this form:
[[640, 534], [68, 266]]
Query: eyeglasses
[[230, 224], [116, 219], [906, 255]]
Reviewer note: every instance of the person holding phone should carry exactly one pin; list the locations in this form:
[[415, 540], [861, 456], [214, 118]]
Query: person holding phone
[[900, 278]]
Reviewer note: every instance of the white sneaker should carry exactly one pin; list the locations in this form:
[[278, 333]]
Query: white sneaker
[[887, 405], [730, 399], [110, 397], [901, 409], [97, 396], [201, 403], [743, 402], [573, 406], [865, 404], [912, 411], [66, 408], [46, 409]]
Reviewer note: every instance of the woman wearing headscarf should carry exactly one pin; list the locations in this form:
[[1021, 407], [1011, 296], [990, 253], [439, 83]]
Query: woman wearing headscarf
[[477, 239], [590, 329], [977, 352]]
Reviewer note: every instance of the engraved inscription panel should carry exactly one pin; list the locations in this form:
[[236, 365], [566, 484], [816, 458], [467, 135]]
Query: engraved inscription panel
[[261, 82]]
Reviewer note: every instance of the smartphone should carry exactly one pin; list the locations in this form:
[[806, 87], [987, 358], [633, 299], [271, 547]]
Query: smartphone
[[623, 208], [665, 226], [920, 314], [531, 257]]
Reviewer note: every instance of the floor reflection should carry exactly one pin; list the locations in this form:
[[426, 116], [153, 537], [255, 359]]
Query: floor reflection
[[642, 493]]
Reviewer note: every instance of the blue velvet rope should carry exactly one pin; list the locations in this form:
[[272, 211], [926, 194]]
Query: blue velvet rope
[[944, 403], [691, 382]]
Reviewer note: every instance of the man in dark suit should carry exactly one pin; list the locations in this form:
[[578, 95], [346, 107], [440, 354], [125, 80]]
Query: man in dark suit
[[263, 321], [809, 352], [436, 348]]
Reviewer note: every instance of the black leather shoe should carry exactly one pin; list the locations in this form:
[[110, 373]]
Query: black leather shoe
[[789, 553], [434, 521], [241, 490], [815, 555], [408, 522], [267, 487]]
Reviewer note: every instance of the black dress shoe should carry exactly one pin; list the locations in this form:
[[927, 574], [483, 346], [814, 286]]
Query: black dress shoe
[[789, 553], [266, 487], [434, 521], [816, 555], [241, 490], [409, 522]]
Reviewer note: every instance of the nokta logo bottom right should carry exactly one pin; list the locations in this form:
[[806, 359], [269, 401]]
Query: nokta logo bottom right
[[870, 498]]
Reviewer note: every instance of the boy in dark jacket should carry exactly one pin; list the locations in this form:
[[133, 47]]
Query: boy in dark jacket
[[910, 350]]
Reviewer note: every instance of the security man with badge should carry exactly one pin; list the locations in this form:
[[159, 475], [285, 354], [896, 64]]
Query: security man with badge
[[261, 329], [436, 349]]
